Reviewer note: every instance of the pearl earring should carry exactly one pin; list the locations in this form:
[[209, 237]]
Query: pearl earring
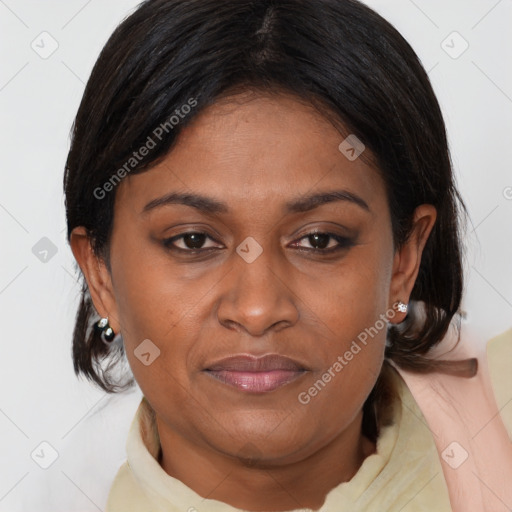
[[106, 332]]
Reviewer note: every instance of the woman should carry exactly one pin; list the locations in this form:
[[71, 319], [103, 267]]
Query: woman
[[260, 197]]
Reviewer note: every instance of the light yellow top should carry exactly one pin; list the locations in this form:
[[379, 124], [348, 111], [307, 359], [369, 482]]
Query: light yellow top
[[404, 474]]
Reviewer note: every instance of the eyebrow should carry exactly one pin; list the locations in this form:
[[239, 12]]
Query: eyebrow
[[211, 206]]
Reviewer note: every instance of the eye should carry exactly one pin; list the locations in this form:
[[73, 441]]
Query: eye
[[325, 242], [192, 241]]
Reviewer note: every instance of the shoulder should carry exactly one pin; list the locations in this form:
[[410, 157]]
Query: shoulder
[[499, 358]]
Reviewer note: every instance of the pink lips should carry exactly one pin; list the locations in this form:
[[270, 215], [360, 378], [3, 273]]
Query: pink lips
[[256, 374]]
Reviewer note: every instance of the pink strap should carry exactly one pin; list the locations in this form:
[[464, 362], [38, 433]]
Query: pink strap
[[470, 436]]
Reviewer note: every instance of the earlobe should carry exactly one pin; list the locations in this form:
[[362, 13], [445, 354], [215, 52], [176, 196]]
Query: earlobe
[[96, 275], [407, 258]]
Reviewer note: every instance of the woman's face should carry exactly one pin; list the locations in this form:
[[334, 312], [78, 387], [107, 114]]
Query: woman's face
[[250, 175]]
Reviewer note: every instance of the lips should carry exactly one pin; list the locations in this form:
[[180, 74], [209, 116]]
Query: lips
[[256, 374], [249, 363]]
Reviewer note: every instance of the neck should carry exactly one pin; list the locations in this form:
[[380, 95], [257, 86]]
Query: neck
[[265, 483]]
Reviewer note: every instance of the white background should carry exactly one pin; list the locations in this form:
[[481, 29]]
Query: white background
[[40, 398]]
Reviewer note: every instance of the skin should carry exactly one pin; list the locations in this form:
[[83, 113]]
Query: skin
[[255, 152]]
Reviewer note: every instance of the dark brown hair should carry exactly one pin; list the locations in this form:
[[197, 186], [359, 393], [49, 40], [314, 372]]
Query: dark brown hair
[[341, 57]]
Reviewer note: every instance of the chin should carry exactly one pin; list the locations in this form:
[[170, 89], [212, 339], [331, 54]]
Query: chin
[[264, 441]]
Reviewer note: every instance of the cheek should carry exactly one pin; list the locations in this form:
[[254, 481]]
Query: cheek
[[354, 296], [153, 309], [352, 316], [352, 363], [151, 297]]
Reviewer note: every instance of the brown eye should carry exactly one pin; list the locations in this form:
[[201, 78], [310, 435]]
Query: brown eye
[[325, 242], [192, 241], [319, 240]]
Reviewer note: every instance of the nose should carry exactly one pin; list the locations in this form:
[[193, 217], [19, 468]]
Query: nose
[[257, 298]]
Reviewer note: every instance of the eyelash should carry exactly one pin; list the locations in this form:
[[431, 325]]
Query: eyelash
[[343, 243]]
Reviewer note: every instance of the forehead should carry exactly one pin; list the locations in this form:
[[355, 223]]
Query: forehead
[[268, 148]]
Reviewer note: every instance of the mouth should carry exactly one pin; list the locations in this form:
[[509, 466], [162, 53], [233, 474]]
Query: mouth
[[256, 374]]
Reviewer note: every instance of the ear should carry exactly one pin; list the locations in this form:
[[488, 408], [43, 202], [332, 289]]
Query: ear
[[97, 276], [406, 263]]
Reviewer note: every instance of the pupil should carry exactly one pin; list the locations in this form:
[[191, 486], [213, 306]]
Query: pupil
[[321, 240], [194, 240]]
